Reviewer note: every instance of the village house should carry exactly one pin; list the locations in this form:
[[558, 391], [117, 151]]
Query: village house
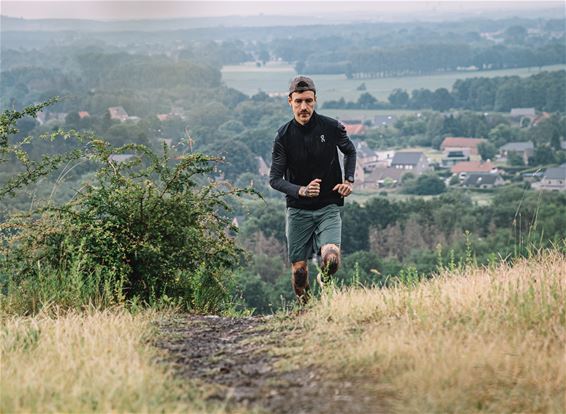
[[463, 169], [118, 113], [383, 177], [467, 145], [525, 150], [520, 112], [163, 117], [84, 114], [415, 162], [384, 158], [451, 158], [483, 180], [365, 156], [176, 112], [554, 179], [380, 121], [524, 116], [354, 129]]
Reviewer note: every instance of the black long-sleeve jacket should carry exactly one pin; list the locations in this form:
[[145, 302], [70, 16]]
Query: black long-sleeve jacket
[[302, 153]]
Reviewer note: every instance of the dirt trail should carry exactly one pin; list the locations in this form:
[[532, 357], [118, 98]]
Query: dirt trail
[[238, 361]]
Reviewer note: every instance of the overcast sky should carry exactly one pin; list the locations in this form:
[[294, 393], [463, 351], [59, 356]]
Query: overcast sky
[[122, 10]]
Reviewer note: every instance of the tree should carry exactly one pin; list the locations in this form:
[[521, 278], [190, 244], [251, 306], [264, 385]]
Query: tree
[[72, 120], [555, 140], [264, 56], [354, 228], [426, 184], [509, 95], [366, 101], [546, 131], [399, 98], [237, 159], [502, 134], [441, 100], [361, 267], [421, 98], [515, 34], [127, 133], [515, 160], [487, 150], [252, 291], [543, 155]]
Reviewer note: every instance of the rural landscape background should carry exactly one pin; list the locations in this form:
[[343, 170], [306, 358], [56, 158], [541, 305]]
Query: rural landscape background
[[135, 146]]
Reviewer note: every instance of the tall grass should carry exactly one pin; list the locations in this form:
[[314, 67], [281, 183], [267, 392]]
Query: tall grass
[[470, 340], [80, 362], [67, 286]]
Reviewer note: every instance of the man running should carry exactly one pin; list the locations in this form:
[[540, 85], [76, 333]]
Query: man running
[[305, 166]]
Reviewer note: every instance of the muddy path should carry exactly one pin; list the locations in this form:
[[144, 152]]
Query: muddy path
[[248, 363]]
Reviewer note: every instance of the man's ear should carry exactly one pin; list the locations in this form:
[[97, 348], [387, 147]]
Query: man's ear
[[290, 100]]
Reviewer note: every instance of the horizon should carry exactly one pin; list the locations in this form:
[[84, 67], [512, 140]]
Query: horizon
[[121, 11]]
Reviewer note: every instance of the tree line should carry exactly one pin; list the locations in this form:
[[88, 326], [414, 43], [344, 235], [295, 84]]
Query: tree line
[[543, 91], [383, 238]]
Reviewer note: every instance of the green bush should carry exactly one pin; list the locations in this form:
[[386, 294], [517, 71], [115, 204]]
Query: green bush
[[152, 228], [426, 184]]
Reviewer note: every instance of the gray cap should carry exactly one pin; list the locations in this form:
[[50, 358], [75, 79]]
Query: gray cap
[[301, 84]]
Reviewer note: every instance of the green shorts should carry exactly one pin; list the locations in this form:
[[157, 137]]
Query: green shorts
[[308, 230]]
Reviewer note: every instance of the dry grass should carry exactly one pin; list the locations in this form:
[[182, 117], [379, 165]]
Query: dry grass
[[482, 340], [98, 361]]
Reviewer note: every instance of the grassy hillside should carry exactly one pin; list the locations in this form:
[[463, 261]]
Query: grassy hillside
[[478, 340], [483, 340], [97, 361]]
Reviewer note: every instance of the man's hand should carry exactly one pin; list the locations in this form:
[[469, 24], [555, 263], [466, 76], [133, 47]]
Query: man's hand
[[344, 189], [311, 190]]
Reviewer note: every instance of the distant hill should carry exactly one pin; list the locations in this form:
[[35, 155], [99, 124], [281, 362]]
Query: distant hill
[[307, 14], [19, 24]]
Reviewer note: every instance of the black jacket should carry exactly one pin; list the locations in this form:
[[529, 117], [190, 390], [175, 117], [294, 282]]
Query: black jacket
[[302, 153]]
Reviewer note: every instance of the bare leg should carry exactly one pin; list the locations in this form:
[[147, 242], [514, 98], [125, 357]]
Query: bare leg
[[330, 254], [300, 281]]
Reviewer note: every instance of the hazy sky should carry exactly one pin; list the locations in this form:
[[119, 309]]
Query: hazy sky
[[112, 10]]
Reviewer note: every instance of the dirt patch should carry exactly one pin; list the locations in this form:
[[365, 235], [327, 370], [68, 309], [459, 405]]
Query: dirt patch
[[244, 363]]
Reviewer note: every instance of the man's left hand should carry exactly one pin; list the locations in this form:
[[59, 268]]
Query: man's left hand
[[344, 189]]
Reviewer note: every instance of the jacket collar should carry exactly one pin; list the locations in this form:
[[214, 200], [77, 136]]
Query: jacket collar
[[309, 125]]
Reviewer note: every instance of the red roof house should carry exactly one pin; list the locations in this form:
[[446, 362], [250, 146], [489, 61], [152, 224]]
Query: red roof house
[[457, 143], [355, 129], [473, 167]]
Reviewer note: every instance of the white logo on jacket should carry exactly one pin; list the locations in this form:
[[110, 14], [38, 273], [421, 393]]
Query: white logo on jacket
[[322, 138]]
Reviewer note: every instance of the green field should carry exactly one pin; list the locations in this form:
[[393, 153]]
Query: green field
[[275, 76], [364, 114], [363, 196]]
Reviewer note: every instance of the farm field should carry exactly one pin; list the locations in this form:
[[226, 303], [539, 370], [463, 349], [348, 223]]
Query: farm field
[[275, 76], [364, 114], [363, 196]]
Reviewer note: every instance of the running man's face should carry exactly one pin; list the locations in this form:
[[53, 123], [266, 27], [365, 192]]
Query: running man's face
[[302, 104]]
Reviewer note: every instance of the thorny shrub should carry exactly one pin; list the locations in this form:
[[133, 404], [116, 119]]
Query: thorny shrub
[[149, 228]]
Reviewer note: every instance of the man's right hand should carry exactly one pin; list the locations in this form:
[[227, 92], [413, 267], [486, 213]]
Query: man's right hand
[[312, 189]]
